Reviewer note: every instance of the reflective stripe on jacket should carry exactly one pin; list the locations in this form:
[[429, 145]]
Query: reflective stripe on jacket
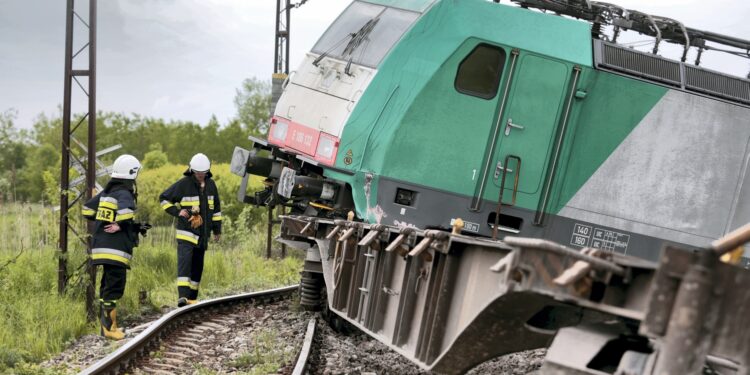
[[118, 205], [186, 193]]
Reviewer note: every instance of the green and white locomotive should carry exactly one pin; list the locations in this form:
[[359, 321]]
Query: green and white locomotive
[[426, 111], [410, 115]]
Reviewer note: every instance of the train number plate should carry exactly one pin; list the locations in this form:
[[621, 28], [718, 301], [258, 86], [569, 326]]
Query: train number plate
[[468, 226], [600, 238]]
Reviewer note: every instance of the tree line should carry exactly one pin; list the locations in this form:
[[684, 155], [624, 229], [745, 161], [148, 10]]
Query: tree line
[[30, 159]]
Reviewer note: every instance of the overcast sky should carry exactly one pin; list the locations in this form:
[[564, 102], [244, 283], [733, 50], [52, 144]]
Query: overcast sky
[[184, 59]]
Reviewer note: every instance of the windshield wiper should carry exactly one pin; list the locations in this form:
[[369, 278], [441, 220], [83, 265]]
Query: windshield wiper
[[357, 39], [360, 36], [324, 54]]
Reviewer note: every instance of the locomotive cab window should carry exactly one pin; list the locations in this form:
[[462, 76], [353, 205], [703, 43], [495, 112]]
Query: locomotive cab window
[[479, 73], [365, 33]]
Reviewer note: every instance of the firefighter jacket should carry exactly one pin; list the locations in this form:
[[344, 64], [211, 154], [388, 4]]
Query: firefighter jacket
[[115, 204], [186, 194]]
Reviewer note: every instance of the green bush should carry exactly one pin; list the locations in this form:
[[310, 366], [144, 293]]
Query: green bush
[[152, 182], [155, 159]]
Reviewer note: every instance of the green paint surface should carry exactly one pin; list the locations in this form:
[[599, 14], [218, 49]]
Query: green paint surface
[[411, 124], [437, 117], [535, 102]]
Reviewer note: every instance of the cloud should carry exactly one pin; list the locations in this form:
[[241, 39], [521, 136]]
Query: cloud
[[183, 59], [161, 103]]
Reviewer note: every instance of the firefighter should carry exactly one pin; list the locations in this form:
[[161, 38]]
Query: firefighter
[[194, 201], [114, 237]]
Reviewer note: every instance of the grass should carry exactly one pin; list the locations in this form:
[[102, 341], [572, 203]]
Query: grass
[[37, 323], [266, 357]]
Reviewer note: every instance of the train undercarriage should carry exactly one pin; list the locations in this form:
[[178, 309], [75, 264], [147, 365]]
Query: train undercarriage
[[449, 302]]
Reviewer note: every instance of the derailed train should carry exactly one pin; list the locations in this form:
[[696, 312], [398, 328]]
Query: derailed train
[[423, 117]]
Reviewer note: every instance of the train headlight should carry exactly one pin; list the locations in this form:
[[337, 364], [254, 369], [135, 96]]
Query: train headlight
[[278, 131], [327, 147]]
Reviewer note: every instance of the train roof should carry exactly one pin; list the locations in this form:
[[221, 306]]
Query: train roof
[[681, 74], [414, 5]]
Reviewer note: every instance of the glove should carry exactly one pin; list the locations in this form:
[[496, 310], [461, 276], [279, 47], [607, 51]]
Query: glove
[[195, 221], [143, 228]]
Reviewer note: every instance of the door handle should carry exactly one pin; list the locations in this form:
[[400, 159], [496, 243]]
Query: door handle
[[509, 124], [499, 168]]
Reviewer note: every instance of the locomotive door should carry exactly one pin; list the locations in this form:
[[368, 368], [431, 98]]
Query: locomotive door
[[526, 129]]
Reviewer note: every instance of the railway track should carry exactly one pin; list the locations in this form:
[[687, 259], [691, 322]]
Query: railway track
[[178, 337], [180, 340]]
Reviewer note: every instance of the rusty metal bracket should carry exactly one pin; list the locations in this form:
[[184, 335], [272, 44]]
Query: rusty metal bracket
[[404, 233], [333, 232], [312, 226], [442, 241], [508, 262], [545, 245], [367, 240], [421, 247], [376, 230], [421, 279], [340, 224], [306, 227], [577, 271], [732, 240], [353, 227], [513, 272], [347, 234]]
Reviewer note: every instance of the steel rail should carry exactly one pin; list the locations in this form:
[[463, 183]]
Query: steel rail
[[304, 354], [120, 360]]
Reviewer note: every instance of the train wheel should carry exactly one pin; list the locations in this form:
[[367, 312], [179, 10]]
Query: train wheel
[[310, 288]]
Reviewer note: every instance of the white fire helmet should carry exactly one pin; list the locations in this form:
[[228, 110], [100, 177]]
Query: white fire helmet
[[200, 163], [126, 167]]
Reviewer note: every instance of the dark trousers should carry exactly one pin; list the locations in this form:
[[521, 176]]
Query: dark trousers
[[113, 282], [189, 269]]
